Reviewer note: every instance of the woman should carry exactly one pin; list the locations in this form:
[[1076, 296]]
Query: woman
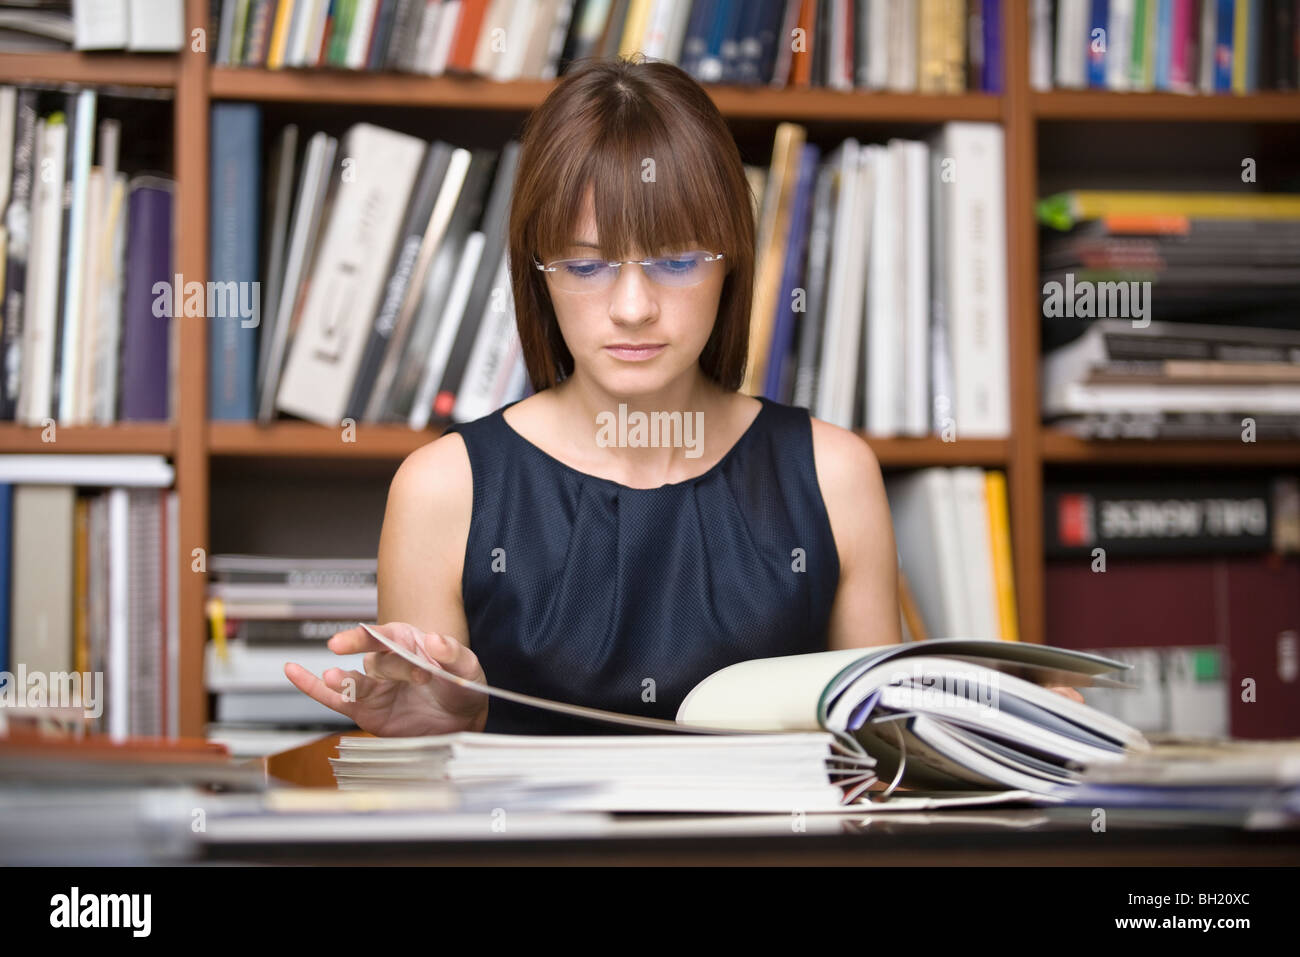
[[536, 549]]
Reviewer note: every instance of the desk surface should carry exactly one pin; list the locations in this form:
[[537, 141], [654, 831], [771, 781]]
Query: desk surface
[[1041, 836]]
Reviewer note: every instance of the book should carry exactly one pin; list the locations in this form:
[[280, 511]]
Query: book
[[956, 713]]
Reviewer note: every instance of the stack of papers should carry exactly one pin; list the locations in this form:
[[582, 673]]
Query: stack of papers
[[1213, 774], [764, 773]]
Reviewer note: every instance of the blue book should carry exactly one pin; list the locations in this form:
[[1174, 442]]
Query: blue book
[[1164, 42], [780, 355], [6, 567], [992, 70], [1097, 57], [696, 41], [236, 197], [1223, 48]]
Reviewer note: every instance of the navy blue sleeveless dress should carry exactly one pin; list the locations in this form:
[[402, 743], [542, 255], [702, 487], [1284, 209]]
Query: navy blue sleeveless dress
[[580, 589]]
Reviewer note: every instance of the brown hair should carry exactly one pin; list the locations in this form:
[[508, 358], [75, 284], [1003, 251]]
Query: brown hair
[[604, 118]]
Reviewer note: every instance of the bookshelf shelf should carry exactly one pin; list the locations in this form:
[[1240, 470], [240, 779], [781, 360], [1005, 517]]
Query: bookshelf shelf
[[1273, 107], [1062, 448], [921, 452], [127, 438], [389, 89], [112, 69], [305, 440]]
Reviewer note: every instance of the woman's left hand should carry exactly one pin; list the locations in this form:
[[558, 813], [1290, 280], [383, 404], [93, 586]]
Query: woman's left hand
[[1068, 692]]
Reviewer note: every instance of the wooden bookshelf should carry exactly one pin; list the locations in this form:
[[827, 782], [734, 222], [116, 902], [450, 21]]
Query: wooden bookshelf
[[141, 438], [108, 69], [198, 447]]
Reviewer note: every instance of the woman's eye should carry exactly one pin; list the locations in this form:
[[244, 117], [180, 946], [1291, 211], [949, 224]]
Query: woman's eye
[[679, 265], [583, 270]]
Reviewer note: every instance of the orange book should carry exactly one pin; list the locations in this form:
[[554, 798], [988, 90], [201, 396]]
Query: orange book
[[461, 58], [801, 64]]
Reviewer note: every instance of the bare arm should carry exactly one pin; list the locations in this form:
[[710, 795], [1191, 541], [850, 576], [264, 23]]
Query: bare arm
[[865, 611]]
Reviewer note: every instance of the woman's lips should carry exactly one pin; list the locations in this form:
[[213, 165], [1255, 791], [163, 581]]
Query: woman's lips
[[635, 353]]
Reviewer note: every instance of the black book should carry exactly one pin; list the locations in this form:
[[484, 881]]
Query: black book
[[18, 222]]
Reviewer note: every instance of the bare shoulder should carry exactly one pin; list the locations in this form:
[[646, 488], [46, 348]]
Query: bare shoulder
[[436, 481], [843, 458], [848, 474]]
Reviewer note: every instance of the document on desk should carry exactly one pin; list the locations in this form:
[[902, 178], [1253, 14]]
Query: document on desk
[[953, 714]]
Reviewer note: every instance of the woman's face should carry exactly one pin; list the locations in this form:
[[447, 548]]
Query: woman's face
[[634, 311]]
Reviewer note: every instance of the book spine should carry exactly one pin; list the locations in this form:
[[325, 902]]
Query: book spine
[[236, 193], [1214, 517], [145, 335], [18, 222]]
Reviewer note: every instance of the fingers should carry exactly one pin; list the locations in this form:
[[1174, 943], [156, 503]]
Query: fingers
[[453, 656], [1068, 693], [385, 664], [313, 687]]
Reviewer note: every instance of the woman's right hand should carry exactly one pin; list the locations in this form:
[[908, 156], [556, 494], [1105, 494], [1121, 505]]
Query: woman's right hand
[[394, 698]]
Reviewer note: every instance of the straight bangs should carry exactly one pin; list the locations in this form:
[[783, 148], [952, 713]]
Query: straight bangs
[[665, 177]]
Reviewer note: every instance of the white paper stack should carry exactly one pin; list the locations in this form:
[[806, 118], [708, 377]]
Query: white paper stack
[[769, 773]]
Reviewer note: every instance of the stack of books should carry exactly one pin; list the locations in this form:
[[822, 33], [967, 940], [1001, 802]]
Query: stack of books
[[954, 544], [1177, 46], [87, 262], [265, 611], [964, 715], [412, 320], [89, 589], [931, 46], [1181, 308]]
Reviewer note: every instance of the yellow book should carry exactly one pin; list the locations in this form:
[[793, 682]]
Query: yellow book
[[782, 181], [81, 545], [1240, 44], [280, 35], [1004, 576], [1064, 210], [933, 47], [638, 15]]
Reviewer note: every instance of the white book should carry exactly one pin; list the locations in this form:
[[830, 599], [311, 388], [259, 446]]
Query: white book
[[489, 353], [923, 506], [1119, 43], [8, 121], [448, 327], [1040, 45], [156, 26], [885, 310], [658, 28], [117, 707], [108, 324], [96, 192], [878, 19], [100, 24], [1072, 21], [837, 73], [439, 219], [69, 362], [318, 163], [518, 32], [173, 624], [448, 22], [1209, 28], [427, 36], [871, 159], [37, 381], [837, 315], [347, 277], [977, 282], [916, 321], [90, 469], [247, 667], [904, 37], [359, 41], [977, 553], [312, 55]]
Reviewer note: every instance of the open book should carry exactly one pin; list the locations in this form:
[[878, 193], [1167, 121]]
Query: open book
[[968, 714]]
